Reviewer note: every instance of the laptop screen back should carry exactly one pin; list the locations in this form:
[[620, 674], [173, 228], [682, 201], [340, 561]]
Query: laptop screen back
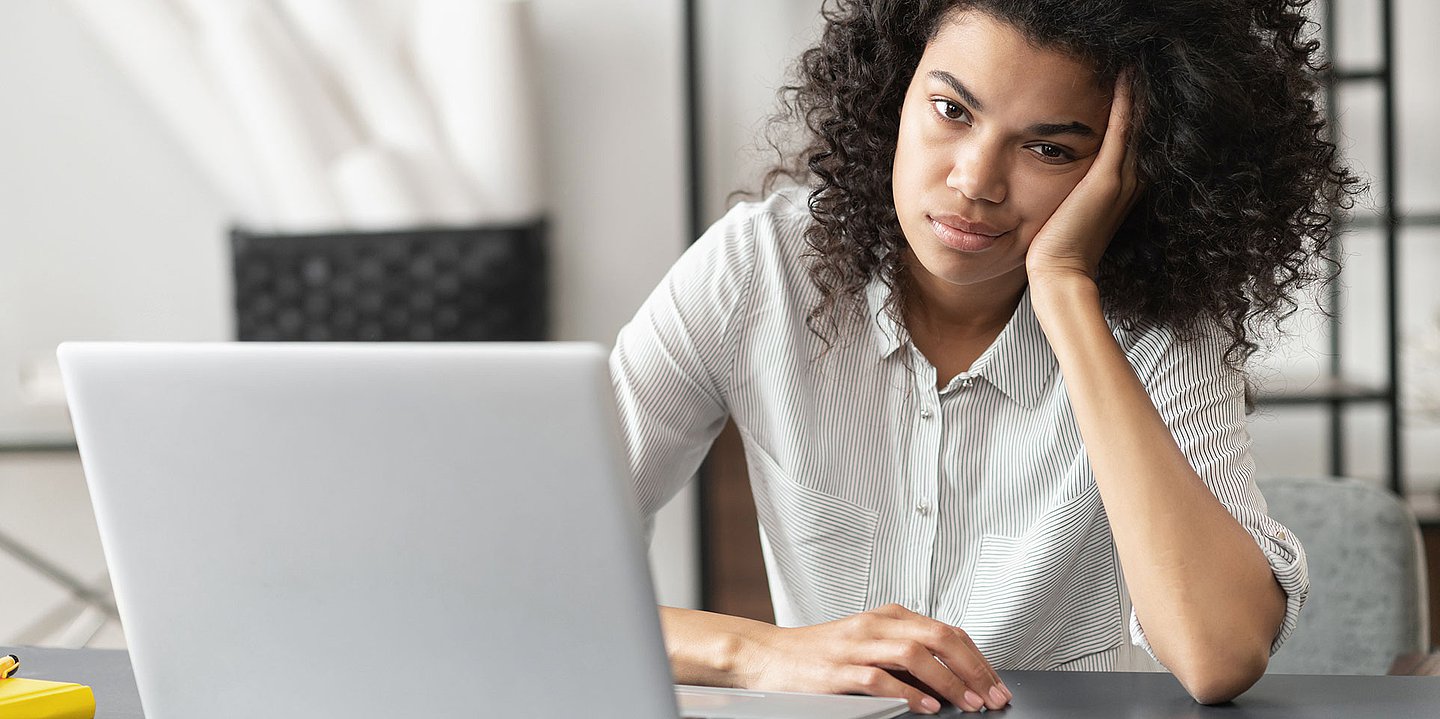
[[369, 530]]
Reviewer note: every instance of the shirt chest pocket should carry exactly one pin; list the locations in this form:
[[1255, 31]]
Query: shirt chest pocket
[[821, 546], [1051, 595]]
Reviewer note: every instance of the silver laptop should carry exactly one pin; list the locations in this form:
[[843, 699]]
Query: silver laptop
[[349, 530]]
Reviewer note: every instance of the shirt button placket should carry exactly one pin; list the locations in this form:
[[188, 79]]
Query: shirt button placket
[[928, 453]]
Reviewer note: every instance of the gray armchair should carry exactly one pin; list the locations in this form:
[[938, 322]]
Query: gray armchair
[[1367, 604]]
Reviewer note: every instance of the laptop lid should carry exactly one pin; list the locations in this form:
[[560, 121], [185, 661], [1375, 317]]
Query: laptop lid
[[306, 530]]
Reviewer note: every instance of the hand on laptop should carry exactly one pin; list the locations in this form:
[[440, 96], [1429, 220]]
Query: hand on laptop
[[890, 651], [869, 653]]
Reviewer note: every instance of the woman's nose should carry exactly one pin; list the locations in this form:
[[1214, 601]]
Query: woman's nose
[[979, 172]]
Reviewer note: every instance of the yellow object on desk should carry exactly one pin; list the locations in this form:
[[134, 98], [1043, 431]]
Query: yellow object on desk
[[40, 699]]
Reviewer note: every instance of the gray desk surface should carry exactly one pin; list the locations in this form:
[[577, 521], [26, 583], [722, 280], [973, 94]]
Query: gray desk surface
[[1038, 695]]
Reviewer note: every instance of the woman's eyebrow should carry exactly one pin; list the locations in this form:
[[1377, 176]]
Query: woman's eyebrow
[[1071, 128], [959, 89], [1079, 129]]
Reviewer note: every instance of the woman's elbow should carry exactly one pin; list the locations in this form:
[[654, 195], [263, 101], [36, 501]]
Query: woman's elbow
[[1222, 676]]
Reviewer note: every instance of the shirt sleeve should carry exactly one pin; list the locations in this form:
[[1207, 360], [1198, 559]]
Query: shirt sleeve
[[671, 362], [1202, 401]]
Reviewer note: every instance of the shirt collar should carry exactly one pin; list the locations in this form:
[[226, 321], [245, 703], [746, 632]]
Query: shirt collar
[[1019, 363], [888, 334]]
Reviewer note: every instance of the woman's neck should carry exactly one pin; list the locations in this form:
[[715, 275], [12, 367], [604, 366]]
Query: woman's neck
[[938, 308]]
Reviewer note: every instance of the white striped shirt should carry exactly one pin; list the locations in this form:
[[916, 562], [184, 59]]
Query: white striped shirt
[[973, 504]]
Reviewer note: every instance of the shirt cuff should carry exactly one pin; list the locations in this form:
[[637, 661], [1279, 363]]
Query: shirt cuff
[[1287, 561]]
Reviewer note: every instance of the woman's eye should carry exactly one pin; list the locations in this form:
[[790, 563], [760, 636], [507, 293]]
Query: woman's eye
[[1051, 152], [947, 109]]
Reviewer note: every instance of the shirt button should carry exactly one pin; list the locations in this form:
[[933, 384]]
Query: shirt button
[[923, 509], [965, 383], [926, 413], [1280, 535]]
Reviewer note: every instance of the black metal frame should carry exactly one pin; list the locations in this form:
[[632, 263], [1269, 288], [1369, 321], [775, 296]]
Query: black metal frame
[[695, 220], [1392, 245], [1335, 392]]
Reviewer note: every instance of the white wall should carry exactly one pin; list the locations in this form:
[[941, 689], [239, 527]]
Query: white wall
[[747, 50], [107, 231], [612, 94]]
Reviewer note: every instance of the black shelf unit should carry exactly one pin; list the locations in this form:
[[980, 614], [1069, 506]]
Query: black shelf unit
[[424, 284], [1335, 391]]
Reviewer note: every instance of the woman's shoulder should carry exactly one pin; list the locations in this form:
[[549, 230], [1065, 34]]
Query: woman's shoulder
[[756, 247], [778, 217], [769, 233]]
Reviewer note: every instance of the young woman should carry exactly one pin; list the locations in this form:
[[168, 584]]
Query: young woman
[[987, 358]]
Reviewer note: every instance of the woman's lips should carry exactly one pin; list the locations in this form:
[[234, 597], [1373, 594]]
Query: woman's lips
[[966, 237]]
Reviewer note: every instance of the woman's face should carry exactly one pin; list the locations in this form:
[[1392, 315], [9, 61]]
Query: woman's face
[[994, 133]]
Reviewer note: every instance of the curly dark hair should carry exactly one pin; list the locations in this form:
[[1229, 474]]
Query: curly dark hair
[[1242, 185]]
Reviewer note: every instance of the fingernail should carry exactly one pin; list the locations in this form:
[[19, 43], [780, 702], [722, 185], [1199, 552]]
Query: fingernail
[[1009, 695], [930, 705], [997, 696], [973, 700]]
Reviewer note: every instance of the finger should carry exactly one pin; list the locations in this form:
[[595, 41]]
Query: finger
[[1117, 129], [950, 644], [917, 660], [962, 658], [877, 682], [893, 611], [1004, 690], [1129, 165], [971, 643]]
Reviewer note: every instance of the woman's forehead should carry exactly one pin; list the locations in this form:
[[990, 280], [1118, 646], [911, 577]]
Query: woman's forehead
[[1008, 72]]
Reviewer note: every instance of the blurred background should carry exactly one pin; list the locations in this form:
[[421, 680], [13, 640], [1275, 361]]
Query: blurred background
[[138, 135]]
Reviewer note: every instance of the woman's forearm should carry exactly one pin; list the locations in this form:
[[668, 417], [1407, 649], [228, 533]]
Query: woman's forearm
[[1201, 587], [704, 646]]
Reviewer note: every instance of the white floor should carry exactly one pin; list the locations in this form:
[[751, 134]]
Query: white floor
[[44, 506]]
